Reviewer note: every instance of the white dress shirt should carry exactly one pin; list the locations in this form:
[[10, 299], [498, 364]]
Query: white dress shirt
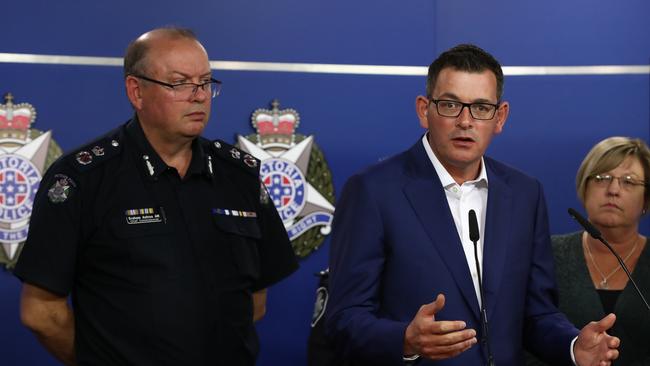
[[471, 195]]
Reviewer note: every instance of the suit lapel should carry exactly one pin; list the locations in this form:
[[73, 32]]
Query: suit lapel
[[427, 197], [498, 225]]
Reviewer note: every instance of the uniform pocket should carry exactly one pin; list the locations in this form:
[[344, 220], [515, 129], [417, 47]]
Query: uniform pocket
[[149, 246], [123, 230], [241, 235], [236, 225]]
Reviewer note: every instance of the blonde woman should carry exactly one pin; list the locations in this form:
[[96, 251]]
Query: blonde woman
[[612, 185]]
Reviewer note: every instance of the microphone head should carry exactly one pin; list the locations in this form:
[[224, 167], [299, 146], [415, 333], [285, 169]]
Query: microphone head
[[591, 229], [473, 227]]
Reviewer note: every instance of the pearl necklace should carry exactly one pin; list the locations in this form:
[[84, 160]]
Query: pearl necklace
[[603, 285]]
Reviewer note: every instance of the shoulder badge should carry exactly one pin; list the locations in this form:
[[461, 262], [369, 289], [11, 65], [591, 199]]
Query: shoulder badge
[[236, 156], [95, 153], [61, 189]]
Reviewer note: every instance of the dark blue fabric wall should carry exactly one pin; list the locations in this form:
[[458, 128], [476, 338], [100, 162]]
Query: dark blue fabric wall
[[356, 119]]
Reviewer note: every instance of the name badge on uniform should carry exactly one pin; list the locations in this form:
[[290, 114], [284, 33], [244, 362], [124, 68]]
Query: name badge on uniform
[[228, 212], [144, 216]]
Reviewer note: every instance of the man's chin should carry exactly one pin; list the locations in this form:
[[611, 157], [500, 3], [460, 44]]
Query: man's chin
[[465, 159], [194, 129]]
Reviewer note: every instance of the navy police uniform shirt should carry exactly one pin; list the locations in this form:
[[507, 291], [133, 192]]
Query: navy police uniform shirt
[[160, 268]]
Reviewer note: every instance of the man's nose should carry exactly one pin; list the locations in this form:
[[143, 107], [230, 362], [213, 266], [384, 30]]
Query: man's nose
[[465, 118]]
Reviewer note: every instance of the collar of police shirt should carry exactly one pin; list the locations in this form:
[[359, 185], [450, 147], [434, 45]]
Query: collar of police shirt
[[153, 164]]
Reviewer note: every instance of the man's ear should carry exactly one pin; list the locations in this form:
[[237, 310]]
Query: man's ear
[[502, 116], [422, 110], [133, 91]]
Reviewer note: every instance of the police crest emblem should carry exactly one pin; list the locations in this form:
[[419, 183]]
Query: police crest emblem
[[296, 175], [25, 153]]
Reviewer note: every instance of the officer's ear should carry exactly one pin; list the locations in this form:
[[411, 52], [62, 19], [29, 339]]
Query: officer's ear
[[134, 91]]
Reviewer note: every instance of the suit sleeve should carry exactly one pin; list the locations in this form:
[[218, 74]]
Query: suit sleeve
[[548, 333], [357, 258]]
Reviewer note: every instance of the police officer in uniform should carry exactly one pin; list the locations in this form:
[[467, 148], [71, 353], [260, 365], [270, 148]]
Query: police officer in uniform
[[165, 241]]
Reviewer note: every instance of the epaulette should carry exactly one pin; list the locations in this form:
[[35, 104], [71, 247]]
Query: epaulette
[[96, 153], [236, 156]]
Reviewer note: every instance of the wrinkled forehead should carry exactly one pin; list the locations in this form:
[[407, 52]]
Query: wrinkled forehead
[[178, 55]]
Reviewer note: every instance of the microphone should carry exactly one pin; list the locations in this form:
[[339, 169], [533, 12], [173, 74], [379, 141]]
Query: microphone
[[589, 228], [474, 236]]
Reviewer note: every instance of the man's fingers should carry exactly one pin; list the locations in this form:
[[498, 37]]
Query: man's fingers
[[614, 342], [438, 352], [434, 339], [432, 308], [594, 346], [449, 339], [612, 354], [449, 326], [605, 323]]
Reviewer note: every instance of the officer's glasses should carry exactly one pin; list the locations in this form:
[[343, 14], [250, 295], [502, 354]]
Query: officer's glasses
[[186, 91]]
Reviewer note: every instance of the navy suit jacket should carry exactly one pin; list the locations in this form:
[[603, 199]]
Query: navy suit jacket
[[395, 247]]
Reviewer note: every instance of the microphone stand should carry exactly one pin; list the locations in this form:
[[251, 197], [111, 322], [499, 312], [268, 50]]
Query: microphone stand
[[474, 237], [591, 229]]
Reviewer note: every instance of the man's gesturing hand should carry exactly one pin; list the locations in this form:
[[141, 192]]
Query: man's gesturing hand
[[594, 346], [433, 339]]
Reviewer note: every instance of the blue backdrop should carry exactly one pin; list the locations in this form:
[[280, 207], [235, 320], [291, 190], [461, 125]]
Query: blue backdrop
[[356, 119]]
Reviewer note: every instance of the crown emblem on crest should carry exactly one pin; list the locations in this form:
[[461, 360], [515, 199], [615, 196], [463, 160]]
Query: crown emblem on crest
[[294, 174], [275, 127], [25, 153], [15, 120]]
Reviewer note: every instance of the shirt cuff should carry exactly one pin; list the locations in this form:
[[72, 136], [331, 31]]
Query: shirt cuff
[[573, 355], [410, 358]]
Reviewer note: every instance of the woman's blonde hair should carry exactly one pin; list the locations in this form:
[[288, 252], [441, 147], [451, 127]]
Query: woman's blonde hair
[[607, 155]]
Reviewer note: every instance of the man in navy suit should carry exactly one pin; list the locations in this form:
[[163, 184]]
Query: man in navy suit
[[404, 284]]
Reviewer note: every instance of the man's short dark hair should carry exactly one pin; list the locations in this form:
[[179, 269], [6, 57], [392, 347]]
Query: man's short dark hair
[[465, 57], [137, 50]]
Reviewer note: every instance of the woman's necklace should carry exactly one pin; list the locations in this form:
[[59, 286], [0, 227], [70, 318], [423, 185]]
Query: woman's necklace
[[603, 284]]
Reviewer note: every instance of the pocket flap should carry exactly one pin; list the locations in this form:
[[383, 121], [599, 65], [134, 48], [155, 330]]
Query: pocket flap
[[244, 226]]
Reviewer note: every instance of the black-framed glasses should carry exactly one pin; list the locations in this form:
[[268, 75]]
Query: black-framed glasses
[[185, 91], [453, 108], [626, 181]]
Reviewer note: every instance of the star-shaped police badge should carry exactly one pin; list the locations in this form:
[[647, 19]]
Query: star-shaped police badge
[[61, 189], [296, 175], [24, 155]]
